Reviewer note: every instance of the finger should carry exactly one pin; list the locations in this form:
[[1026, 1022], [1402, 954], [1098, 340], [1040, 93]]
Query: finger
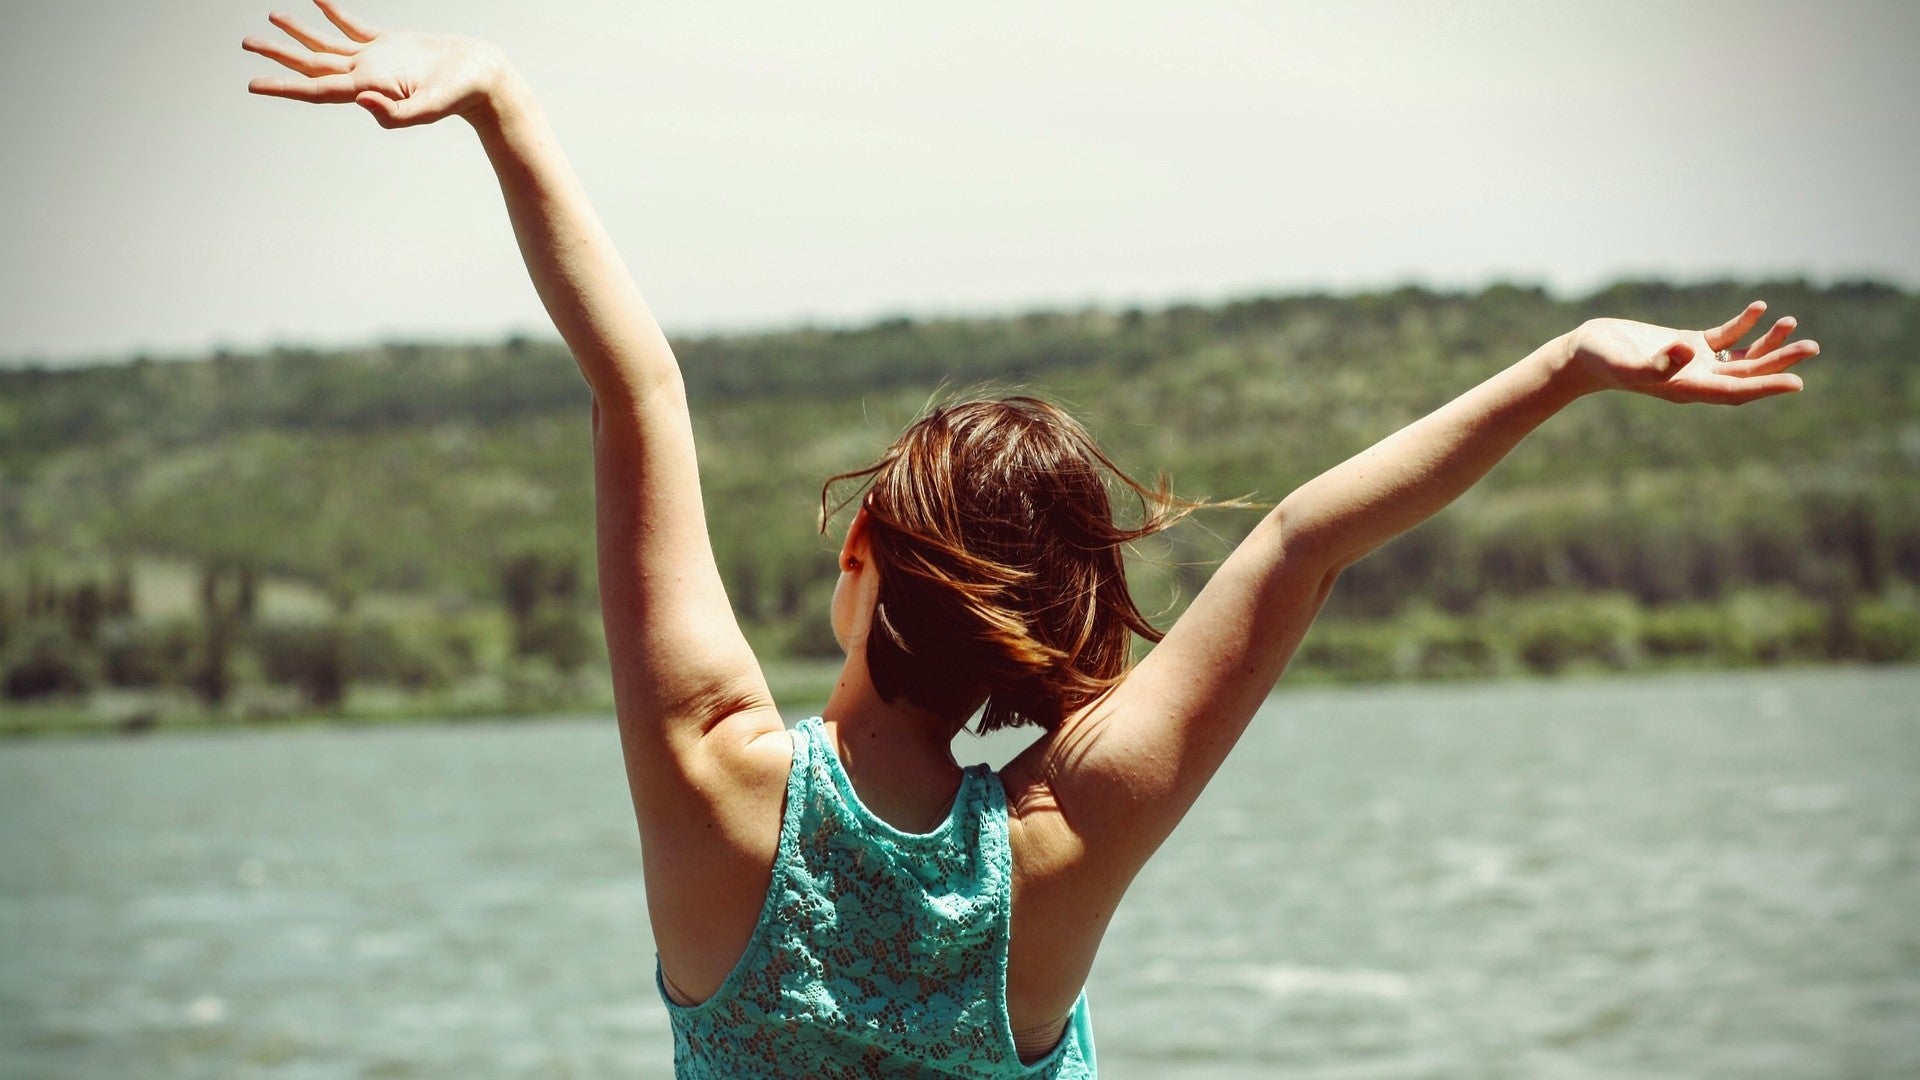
[[330, 89], [1736, 328], [1767, 386], [1671, 359], [1776, 336], [392, 113], [310, 39], [306, 63], [1723, 390], [1771, 362], [348, 25]]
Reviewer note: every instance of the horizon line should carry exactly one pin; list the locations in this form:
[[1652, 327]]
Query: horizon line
[[216, 347]]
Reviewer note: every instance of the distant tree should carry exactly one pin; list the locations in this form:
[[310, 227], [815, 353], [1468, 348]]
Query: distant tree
[[86, 606], [246, 596], [309, 656], [212, 674], [119, 595], [326, 678], [541, 593], [743, 588], [561, 636], [210, 604], [522, 585]]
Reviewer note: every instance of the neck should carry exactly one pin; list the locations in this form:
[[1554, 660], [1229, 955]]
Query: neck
[[898, 755]]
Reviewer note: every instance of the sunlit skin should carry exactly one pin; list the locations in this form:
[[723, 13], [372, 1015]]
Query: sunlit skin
[[706, 752]]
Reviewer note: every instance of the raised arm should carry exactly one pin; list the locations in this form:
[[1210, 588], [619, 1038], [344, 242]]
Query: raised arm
[[681, 667], [1135, 763]]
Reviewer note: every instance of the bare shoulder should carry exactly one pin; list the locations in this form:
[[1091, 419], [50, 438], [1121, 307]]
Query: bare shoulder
[[1067, 882], [714, 794], [1096, 792], [736, 770], [709, 830]]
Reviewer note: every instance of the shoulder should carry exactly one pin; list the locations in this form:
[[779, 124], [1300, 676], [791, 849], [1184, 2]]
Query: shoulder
[[710, 829], [1044, 825], [757, 750], [727, 784], [1080, 806]]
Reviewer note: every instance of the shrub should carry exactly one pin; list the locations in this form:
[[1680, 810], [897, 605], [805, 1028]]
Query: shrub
[[562, 637], [45, 660], [143, 655], [1888, 630], [1348, 650], [1685, 630], [1552, 633], [1772, 626], [409, 657], [310, 656], [1435, 645]]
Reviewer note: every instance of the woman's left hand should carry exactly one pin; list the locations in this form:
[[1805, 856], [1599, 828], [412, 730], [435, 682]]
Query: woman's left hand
[[1688, 365]]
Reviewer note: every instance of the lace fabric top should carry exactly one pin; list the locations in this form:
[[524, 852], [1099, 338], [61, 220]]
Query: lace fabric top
[[878, 952]]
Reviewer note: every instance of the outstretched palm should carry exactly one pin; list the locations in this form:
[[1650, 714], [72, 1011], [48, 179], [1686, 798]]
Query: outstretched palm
[[402, 78], [1688, 365]]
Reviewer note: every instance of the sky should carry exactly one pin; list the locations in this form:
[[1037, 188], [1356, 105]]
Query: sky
[[764, 165]]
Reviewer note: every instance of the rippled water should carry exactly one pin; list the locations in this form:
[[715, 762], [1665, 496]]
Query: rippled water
[[1673, 877]]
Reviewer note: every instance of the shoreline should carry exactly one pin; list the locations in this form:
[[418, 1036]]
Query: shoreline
[[73, 720]]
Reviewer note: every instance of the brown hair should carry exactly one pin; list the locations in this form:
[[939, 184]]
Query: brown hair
[[1002, 578]]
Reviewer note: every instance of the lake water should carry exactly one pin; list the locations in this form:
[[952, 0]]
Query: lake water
[[1672, 877]]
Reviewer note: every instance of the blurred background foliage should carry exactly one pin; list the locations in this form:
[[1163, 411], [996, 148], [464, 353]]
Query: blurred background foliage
[[406, 530]]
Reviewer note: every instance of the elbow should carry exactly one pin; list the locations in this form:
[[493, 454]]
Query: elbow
[[1309, 544], [624, 393]]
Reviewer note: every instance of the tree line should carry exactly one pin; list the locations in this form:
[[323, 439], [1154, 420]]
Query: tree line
[[408, 527]]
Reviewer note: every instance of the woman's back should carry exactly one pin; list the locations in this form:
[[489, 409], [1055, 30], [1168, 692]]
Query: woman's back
[[877, 951]]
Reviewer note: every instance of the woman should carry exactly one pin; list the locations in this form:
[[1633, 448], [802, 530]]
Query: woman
[[845, 899]]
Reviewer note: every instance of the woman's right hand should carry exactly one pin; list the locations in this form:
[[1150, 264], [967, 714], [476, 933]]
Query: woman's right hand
[[401, 77]]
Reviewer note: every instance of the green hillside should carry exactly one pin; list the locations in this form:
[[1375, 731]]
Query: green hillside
[[407, 530]]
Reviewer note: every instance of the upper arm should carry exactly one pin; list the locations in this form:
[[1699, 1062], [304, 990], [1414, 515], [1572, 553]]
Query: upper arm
[[1127, 769], [696, 720], [680, 664]]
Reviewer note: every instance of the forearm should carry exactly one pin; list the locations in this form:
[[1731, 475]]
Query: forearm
[[1390, 487], [581, 279]]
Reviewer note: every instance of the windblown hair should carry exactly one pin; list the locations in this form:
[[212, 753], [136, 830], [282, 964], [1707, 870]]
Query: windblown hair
[[1002, 577]]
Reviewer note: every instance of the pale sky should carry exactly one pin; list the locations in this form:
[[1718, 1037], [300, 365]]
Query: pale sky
[[761, 165]]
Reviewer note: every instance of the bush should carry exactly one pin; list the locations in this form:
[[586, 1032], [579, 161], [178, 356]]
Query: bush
[[45, 660], [310, 656], [534, 685], [1552, 633], [1682, 631], [409, 657], [562, 637], [1888, 630], [1435, 645], [144, 655], [1772, 627], [1348, 650]]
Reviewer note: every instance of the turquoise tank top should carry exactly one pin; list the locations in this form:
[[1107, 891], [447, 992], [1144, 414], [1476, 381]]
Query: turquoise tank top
[[878, 952]]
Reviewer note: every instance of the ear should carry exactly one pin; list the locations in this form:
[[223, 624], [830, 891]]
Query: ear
[[857, 551]]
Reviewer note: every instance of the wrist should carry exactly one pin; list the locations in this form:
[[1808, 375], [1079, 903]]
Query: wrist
[[503, 95], [1560, 365]]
